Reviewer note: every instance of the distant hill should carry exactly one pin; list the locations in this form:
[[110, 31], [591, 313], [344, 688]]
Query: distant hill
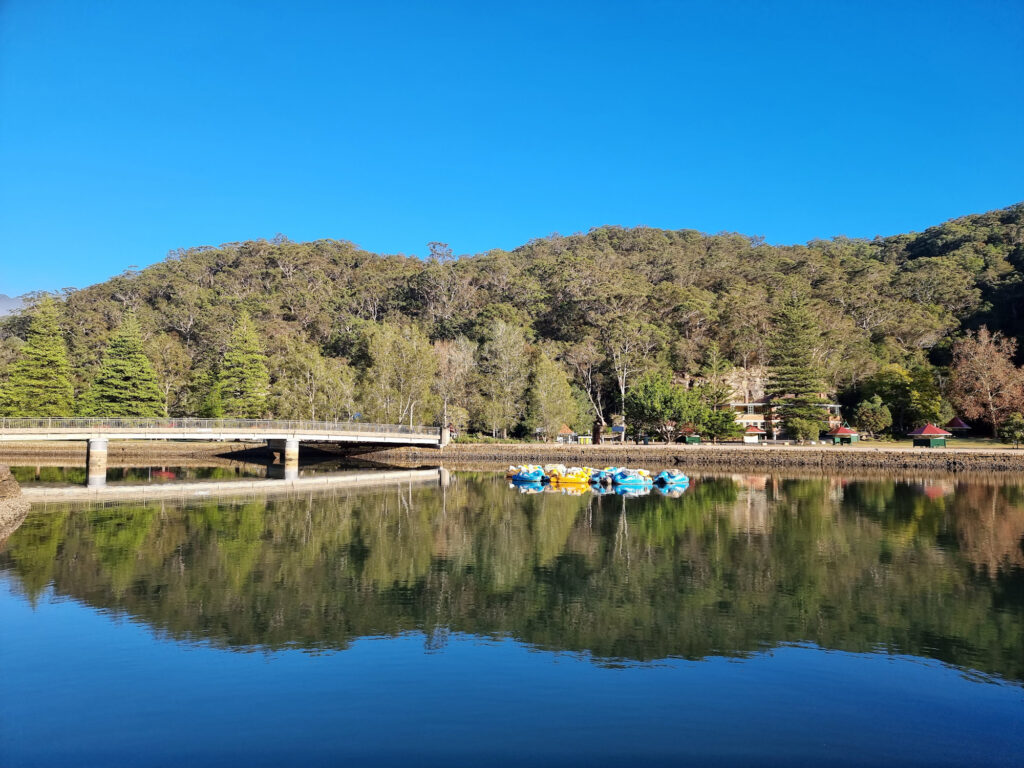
[[9, 303], [649, 297]]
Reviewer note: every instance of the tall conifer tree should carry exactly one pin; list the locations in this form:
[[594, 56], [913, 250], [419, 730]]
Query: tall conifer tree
[[243, 382], [794, 384], [40, 380], [126, 384]]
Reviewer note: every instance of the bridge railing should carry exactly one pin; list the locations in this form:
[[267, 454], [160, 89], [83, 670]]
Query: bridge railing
[[213, 425]]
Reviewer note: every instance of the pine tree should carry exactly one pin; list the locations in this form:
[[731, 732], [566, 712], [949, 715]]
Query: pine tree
[[794, 384], [243, 382], [40, 381], [126, 384]]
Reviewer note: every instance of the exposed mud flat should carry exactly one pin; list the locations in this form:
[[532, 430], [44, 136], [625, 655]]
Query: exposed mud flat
[[819, 458]]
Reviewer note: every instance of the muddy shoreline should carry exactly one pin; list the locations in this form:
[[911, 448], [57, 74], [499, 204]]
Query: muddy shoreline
[[708, 457], [726, 457]]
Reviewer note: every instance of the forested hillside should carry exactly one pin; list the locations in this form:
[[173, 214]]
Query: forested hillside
[[400, 338]]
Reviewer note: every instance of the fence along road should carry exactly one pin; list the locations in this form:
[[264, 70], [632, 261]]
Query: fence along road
[[282, 436]]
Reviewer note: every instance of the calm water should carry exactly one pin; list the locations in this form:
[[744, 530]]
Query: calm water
[[754, 620]]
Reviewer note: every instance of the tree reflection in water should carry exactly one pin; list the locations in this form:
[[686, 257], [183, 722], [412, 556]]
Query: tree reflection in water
[[737, 564]]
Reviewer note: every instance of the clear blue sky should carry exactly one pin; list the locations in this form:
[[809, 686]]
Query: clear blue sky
[[129, 128]]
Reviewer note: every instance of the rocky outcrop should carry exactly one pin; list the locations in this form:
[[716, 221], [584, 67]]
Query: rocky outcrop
[[13, 508]]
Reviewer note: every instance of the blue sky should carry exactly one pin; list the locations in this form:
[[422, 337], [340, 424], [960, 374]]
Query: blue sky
[[131, 128]]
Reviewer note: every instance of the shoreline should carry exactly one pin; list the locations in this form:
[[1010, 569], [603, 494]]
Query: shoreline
[[821, 458], [728, 456]]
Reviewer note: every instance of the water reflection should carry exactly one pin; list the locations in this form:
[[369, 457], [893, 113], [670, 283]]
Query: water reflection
[[736, 564], [63, 475]]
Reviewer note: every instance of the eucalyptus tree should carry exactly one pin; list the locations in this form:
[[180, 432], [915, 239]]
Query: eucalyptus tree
[[504, 374], [396, 386], [551, 400], [455, 365]]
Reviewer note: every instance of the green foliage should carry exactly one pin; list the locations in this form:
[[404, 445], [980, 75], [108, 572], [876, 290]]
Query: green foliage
[[912, 396], [39, 383], [872, 416], [657, 406], [397, 387], [126, 384], [717, 391], [795, 383], [615, 302], [804, 429], [204, 390], [719, 425], [1012, 430], [243, 382], [503, 378], [551, 400], [311, 386]]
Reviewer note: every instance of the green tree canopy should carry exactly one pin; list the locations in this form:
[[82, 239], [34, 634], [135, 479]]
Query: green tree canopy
[[872, 416], [40, 379], [243, 381], [1012, 430], [126, 384], [655, 405], [551, 400], [795, 383]]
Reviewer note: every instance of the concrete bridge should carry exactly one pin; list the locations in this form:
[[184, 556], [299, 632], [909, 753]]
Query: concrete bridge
[[281, 436]]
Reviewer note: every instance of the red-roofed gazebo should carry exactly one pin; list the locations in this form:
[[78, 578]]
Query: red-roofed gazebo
[[929, 436], [843, 434], [958, 426]]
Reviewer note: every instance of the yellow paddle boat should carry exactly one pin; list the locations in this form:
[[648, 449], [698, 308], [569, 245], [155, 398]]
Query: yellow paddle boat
[[569, 476]]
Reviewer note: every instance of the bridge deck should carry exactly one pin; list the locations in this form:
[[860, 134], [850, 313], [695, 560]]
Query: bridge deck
[[217, 429]]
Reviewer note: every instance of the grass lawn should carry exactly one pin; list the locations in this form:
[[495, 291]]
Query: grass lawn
[[952, 442]]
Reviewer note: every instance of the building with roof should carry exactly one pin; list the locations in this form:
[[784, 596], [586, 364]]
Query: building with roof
[[957, 426], [843, 435], [753, 434], [929, 436], [764, 416]]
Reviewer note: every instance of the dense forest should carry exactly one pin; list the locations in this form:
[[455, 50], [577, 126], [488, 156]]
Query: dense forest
[[557, 330]]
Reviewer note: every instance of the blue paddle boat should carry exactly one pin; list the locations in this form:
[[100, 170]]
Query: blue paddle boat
[[631, 478], [534, 475], [671, 478]]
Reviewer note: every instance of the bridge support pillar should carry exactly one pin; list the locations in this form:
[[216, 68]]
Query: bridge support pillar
[[96, 463], [287, 458], [446, 437]]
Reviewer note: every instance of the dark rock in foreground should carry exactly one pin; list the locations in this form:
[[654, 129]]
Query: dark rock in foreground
[[13, 508]]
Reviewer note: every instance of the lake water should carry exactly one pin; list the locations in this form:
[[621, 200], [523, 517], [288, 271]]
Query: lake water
[[758, 620]]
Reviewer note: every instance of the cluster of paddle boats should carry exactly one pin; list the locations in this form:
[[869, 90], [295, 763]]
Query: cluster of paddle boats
[[621, 480]]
